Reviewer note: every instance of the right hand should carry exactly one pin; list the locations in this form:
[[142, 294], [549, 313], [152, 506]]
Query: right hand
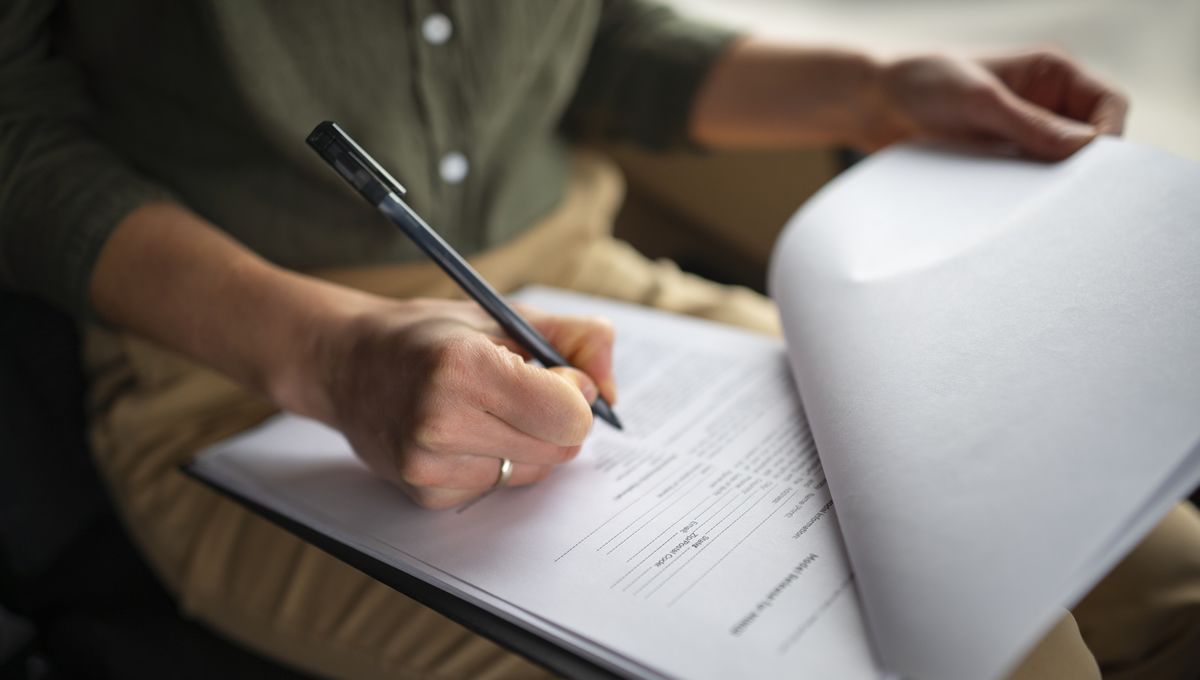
[[432, 395]]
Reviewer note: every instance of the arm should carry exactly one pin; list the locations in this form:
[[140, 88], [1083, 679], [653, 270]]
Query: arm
[[764, 94], [61, 191], [428, 392], [644, 67]]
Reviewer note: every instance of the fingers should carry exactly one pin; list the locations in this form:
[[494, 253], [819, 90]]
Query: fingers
[[1037, 131], [585, 342], [443, 497], [478, 473], [548, 405], [470, 372], [434, 400], [1109, 113], [467, 431], [1056, 82], [435, 498], [1085, 97], [551, 405]]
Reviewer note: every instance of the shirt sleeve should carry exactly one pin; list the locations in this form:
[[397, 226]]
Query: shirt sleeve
[[61, 191], [642, 74]]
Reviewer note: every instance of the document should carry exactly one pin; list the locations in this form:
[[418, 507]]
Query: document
[[987, 395], [1001, 363], [699, 542]]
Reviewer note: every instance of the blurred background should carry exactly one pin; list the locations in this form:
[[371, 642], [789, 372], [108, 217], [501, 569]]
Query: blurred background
[[723, 211], [717, 214]]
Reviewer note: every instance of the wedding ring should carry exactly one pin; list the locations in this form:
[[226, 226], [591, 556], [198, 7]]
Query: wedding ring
[[506, 467]]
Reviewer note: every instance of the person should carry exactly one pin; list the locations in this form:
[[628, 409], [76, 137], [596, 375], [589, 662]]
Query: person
[[154, 183]]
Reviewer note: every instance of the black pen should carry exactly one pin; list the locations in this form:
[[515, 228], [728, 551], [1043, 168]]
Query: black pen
[[383, 192]]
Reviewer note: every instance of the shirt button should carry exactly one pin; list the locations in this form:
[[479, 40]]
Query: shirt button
[[437, 28], [453, 167]]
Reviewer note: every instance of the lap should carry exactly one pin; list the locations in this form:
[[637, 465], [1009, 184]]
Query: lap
[[257, 583], [262, 586]]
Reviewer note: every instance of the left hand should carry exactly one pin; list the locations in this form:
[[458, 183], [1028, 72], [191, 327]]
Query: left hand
[[1040, 102]]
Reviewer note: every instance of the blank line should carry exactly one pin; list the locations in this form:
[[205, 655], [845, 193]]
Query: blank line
[[647, 571], [816, 615], [745, 499], [700, 578], [744, 494], [602, 525], [729, 496], [662, 500], [712, 540], [643, 560], [656, 516], [672, 526]]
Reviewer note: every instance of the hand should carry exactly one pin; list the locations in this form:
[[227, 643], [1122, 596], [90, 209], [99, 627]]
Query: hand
[[432, 395], [1041, 102]]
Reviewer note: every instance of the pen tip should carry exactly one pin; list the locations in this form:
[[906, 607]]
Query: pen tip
[[602, 410]]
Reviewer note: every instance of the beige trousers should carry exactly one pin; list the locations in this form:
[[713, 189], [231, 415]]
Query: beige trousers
[[152, 410]]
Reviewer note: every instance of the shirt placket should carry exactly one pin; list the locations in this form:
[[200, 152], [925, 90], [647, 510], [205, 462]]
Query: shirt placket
[[439, 54]]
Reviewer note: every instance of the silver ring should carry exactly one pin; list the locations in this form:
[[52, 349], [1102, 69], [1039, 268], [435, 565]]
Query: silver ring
[[506, 467]]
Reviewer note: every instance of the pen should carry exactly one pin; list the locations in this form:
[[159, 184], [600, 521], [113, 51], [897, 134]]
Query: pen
[[384, 192]]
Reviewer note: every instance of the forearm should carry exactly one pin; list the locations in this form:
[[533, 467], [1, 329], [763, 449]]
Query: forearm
[[1038, 102], [426, 391], [168, 275], [764, 94]]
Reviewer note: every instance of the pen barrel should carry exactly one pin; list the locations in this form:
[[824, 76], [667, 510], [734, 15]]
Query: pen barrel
[[466, 277]]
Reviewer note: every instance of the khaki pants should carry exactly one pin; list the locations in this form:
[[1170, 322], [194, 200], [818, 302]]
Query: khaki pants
[[152, 410]]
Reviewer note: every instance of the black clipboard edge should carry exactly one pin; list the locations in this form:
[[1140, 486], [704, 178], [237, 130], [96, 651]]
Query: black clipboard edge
[[538, 649]]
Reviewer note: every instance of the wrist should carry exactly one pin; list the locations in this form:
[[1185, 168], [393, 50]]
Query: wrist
[[762, 94], [877, 120], [862, 74], [302, 343]]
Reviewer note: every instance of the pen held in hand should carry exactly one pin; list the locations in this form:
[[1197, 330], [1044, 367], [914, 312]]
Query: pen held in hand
[[384, 192]]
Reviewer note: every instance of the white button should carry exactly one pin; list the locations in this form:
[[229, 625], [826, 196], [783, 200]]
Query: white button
[[454, 167], [437, 28]]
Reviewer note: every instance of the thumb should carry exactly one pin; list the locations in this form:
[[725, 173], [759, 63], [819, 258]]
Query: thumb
[[579, 379], [1038, 132]]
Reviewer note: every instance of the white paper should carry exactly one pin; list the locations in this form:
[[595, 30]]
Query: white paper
[[699, 543], [1001, 363]]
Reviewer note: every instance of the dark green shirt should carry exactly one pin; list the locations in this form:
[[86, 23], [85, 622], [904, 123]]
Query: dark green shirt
[[469, 103]]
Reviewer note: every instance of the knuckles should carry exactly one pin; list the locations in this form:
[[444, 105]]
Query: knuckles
[[451, 360], [435, 431], [432, 375]]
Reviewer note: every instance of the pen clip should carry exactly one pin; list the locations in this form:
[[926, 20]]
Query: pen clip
[[352, 163]]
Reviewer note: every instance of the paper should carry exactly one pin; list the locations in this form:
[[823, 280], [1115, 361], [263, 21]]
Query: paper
[[1001, 363], [699, 543]]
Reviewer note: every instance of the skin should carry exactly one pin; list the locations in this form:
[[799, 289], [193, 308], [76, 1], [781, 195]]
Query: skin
[[429, 392], [1040, 103]]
